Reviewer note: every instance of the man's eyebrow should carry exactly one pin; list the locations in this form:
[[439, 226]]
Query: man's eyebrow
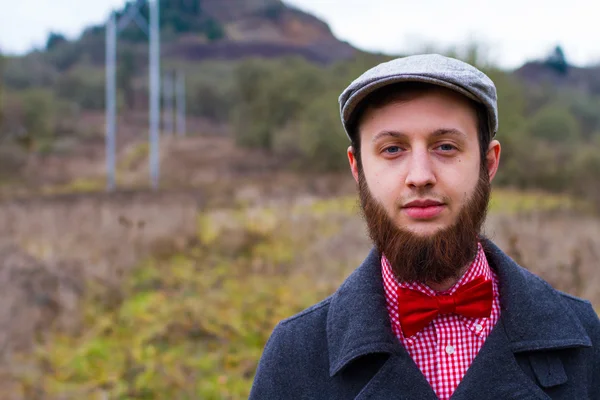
[[395, 134], [448, 131]]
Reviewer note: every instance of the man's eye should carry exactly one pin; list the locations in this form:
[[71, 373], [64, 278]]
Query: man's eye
[[392, 150], [446, 147]]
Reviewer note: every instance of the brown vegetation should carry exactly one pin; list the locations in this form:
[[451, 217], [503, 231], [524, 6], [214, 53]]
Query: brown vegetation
[[90, 279], [54, 249]]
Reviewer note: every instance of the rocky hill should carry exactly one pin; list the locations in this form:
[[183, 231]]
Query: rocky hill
[[586, 80], [207, 29], [266, 28]]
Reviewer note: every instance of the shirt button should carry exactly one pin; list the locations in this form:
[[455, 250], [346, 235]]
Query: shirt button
[[478, 328], [449, 350]]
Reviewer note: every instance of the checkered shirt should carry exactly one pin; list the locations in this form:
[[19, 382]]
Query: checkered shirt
[[444, 349]]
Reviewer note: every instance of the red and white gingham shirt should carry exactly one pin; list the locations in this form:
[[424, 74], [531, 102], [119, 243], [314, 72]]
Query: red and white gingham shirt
[[444, 349]]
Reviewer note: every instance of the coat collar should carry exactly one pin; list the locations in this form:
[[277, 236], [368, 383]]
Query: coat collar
[[358, 321], [533, 314]]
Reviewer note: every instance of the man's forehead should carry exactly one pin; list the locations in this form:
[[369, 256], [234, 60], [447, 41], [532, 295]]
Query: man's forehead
[[433, 114]]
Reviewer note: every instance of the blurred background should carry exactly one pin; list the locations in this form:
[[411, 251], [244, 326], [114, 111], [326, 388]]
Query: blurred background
[[159, 271]]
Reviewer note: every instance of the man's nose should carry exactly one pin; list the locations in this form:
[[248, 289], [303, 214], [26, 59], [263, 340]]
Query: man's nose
[[420, 172]]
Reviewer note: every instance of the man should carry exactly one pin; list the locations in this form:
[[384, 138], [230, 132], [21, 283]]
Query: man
[[436, 310]]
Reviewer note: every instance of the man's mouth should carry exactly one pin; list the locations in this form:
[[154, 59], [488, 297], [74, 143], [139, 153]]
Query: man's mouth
[[423, 209]]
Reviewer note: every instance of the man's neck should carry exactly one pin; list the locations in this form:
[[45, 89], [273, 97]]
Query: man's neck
[[448, 283]]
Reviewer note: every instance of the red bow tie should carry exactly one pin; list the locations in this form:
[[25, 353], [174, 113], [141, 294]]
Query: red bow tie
[[416, 310]]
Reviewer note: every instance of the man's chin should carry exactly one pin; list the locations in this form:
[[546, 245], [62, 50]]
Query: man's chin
[[423, 230]]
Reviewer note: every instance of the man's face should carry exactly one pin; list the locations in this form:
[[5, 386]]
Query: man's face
[[423, 190], [421, 159]]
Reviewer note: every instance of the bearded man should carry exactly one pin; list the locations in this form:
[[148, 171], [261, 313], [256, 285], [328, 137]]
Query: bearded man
[[436, 310]]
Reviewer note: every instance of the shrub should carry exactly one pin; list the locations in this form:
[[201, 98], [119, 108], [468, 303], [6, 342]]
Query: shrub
[[316, 138], [32, 70], [554, 123], [84, 86], [270, 95]]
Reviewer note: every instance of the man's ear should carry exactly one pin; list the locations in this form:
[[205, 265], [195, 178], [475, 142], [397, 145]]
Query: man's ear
[[493, 158], [353, 163]]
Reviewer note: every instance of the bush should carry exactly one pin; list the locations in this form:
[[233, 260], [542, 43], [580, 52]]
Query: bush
[[13, 160], [209, 100], [585, 109], [556, 124], [270, 95], [54, 40], [586, 173], [84, 86], [32, 70], [316, 139], [39, 112], [34, 117]]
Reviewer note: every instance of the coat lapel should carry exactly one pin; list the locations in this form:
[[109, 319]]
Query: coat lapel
[[399, 378], [495, 373], [533, 318], [358, 326], [535, 315]]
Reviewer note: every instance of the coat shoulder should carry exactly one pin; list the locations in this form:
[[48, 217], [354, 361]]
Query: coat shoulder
[[314, 313], [295, 358], [586, 314], [582, 308]]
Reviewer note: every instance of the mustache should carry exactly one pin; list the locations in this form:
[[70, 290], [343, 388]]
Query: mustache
[[405, 201]]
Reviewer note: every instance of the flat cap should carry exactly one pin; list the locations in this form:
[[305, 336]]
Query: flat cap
[[427, 68]]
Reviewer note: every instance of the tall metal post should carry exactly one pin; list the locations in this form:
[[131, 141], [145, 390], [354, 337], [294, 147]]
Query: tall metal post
[[111, 101], [154, 158], [152, 30], [181, 112], [168, 97]]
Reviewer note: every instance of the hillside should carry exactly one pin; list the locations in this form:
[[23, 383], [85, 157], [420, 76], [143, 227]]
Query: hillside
[[582, 79], [232, 50], [209, 29]]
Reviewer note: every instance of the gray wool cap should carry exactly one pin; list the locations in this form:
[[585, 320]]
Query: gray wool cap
[[428, 68]]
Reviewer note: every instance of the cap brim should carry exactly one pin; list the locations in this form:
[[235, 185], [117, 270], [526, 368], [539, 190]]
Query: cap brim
[[358, 96]]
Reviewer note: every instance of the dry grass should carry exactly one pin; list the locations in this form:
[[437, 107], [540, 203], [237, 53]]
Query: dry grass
[[562, 247], [53, 249], [75, 267]]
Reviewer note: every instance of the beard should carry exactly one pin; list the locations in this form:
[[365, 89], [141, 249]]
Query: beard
[[433, 258]]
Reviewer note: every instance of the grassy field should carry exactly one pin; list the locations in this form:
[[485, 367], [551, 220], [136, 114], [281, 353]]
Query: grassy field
[[187, 315]]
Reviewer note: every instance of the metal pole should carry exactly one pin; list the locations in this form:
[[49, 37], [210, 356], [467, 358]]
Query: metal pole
[[154, 158], [168, 95], [181, 112], [111, 103]]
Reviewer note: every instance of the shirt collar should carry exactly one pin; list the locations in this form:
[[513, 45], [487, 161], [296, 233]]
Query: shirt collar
[[478, 267]]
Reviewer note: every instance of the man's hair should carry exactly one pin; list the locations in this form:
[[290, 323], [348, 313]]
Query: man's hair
[[407, 91]]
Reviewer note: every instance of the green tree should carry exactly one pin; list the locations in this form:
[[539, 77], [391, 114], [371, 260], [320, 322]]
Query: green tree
[[586, 173], [270, 95], [213, 29], [316, 138], [554, 123], [210, 100], [38, 108], [557, 61], [54, 40], [84, 86]]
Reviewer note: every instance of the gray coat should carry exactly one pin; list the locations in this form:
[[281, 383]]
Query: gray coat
[[546, 345]]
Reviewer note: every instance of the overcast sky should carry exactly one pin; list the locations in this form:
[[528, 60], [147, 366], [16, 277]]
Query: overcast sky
[[512, 31]]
